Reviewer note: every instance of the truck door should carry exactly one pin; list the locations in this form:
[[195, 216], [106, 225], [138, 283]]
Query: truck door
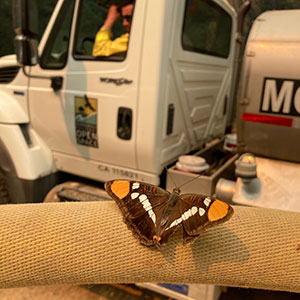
[[202, 61], [91, 118]]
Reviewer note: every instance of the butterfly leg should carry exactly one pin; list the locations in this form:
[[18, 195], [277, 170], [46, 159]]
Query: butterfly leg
[[188, 238]]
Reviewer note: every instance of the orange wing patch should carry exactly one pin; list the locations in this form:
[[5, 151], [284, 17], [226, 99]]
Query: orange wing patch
[[120, 188], [217, 211]]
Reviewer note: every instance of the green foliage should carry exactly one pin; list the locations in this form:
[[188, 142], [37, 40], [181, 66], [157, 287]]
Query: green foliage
[[6, 32], [259, 6], [45, 9]]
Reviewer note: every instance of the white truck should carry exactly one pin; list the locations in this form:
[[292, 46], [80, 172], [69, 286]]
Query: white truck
[[120, 116], [132, 115]]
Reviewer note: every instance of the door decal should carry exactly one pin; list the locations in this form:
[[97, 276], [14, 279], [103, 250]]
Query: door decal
[[86, 121]]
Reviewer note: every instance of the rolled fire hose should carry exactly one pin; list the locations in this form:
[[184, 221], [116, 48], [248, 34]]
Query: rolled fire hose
[[88, 243]]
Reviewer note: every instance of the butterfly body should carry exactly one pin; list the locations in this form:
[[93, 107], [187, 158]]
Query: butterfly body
[[171, 203], [154, 214]]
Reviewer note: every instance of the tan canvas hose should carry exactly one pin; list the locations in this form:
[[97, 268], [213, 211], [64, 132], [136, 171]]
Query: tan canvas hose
[[86, 243]]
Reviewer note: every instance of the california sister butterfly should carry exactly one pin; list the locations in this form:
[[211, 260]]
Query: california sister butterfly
[[153, 214]]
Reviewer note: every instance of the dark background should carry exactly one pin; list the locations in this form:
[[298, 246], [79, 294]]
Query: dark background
[[46, 7]]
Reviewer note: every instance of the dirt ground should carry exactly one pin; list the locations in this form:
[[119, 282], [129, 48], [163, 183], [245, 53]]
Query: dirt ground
[[125, 292], [93, 292], [49, 292]]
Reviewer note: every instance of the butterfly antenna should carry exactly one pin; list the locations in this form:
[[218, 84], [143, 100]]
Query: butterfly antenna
[[169, 174], [190, 180]]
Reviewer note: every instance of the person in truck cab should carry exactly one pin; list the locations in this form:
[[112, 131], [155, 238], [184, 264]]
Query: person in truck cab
[[104, 45]]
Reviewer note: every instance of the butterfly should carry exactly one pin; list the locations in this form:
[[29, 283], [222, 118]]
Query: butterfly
[[153, 214]]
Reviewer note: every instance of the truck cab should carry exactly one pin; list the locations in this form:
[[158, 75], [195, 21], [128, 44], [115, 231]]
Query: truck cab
[[126, 115]]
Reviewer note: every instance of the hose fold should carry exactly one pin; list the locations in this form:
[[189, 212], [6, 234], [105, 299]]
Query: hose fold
[[88, 243]]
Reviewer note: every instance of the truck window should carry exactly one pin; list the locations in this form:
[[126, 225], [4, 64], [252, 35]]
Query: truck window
[[55, 53], [206, 28], [90, 20]]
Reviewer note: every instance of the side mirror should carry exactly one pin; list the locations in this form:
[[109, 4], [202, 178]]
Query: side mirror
[[25, 24], [26, 50]]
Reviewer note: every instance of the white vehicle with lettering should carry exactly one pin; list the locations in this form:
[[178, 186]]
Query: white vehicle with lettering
[[119, 116], [269, 111], [132, 115], [269, 115]]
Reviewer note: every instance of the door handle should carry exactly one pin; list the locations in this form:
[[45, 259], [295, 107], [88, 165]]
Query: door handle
[[124, 126]]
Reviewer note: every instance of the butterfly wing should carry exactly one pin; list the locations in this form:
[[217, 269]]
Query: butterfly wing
[[141, 205], [199, 212]]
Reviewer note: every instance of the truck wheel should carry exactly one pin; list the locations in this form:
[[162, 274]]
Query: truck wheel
[[4, 198]]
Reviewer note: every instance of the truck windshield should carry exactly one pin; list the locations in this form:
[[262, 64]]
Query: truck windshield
[[45, 9]]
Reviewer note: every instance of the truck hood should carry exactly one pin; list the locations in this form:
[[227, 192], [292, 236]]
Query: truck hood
[[8, 61]]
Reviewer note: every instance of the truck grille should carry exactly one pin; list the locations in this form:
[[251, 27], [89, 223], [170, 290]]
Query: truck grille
[[8, 74]]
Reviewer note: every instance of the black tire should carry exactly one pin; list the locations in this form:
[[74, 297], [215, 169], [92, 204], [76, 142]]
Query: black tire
[[4, 198]]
